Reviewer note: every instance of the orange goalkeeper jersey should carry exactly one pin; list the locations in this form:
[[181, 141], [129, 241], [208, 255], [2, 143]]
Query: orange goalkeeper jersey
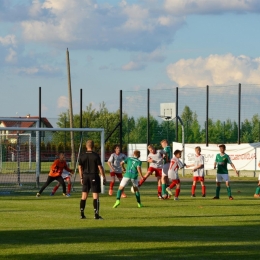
[[57, 168]]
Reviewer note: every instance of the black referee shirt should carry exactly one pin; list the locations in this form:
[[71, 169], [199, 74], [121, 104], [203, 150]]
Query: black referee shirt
[[89, 162]]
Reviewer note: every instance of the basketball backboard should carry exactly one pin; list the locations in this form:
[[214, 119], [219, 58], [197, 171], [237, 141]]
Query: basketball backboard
[[167, 111]]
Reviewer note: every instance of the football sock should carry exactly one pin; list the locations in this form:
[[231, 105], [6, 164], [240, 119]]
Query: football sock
[[82, 207], [193, 188], [229, 191], [203, 188], [69, 188], [217, 191], [172, 185], [111, 185], [163, 189], [141, 181], [118, 195], [137, 195], [54, 189], [159, 190], [257, 190], [96, 206], [177, 192]]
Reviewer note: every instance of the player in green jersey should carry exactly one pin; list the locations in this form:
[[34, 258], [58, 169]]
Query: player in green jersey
[[221, 162], [133, 168], [167, 158]]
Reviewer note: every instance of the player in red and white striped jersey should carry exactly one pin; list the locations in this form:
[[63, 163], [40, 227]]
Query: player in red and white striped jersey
[[173, 175]]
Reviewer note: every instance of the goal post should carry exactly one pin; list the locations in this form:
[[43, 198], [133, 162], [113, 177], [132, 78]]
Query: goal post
[[52, 141]]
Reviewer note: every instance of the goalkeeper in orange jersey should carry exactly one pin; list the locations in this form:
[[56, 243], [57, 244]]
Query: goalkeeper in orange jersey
[[55, 174], [155, 160], [66, 177]]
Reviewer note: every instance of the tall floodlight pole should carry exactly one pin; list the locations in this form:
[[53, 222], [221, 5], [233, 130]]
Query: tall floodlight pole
[[70, 112]]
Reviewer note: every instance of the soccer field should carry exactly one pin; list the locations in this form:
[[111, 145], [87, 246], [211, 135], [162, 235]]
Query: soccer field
[[191, 228]]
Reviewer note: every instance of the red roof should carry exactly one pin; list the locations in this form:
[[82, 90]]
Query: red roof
[[28, 124]]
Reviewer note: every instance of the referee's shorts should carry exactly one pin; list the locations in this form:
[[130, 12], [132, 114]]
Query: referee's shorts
[[91, 182]]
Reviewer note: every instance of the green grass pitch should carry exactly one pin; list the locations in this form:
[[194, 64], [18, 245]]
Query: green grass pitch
[[191, 228]]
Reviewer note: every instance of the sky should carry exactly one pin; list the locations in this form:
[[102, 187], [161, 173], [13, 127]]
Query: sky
[[121, 45]]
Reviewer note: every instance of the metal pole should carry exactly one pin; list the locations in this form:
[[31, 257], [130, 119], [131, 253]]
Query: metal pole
[[239, 113], [102, 158], [18, 150], [38, 141], [80, 108], [70, 113], [177, 112], [207, 116], [148, 117], [183, 143], [121, 119]]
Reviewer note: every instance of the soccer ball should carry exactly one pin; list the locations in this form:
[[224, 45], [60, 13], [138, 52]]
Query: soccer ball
[[133, 190]]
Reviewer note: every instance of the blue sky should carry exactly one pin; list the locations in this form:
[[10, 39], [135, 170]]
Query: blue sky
[[126, 45]]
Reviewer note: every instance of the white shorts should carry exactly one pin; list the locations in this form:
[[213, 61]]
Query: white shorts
[[125, 181], [222, 177], [165, 169], [259, 177]]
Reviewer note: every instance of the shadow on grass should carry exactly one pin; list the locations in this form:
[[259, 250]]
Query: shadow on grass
[[163, 242]]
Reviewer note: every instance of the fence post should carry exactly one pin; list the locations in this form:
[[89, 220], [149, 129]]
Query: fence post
[[239, 113], [177, 112], [121, 119], [207, 116], [148, 117]]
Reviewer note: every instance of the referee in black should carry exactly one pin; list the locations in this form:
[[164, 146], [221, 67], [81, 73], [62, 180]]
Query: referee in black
[[89, 168]]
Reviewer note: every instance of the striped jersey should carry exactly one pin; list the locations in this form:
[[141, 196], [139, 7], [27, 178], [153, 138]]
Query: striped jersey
[[175, 165]]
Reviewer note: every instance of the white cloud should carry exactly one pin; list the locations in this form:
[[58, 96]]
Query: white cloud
[[133, 66], [40, 70], [184, 7], [87, 24], [141, 59], [63, 102], [9, 39], [215, 70], [11, 57]]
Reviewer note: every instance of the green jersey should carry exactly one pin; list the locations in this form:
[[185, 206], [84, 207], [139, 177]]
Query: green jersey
[[168, 152], [222, 162], [132, 163]]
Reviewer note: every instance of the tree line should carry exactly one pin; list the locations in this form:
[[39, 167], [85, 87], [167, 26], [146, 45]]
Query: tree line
[[135, 129]]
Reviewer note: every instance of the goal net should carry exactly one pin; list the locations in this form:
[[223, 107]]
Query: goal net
[[26, 157]]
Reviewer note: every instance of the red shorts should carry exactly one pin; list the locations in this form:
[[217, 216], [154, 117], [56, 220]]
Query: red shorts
[[177, 181], [198, 178], [158, 172], [118, 175]]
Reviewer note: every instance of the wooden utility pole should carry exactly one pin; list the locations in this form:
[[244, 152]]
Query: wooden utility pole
[[73, 163]]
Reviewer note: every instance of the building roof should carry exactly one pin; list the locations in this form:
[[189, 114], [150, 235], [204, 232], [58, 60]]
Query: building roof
[[28, 124]]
